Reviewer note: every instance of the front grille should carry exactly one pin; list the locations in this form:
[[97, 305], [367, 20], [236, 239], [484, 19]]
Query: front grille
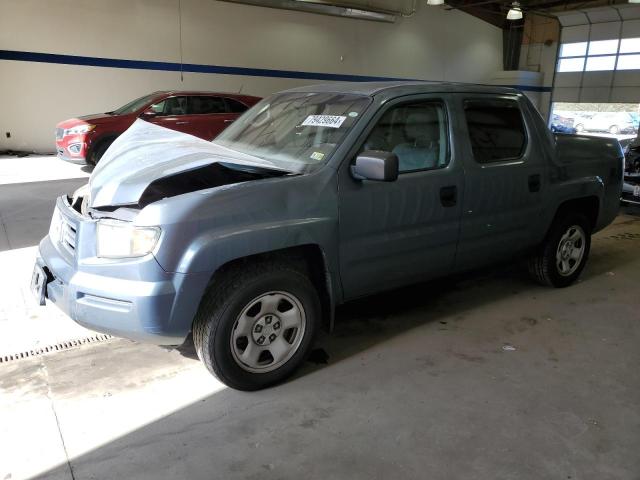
[[68, 236], [59, 133]]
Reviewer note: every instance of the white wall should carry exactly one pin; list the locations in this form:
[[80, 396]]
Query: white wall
[[434, 44]]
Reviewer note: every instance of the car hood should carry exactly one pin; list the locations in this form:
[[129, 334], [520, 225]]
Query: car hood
[[146, 153]]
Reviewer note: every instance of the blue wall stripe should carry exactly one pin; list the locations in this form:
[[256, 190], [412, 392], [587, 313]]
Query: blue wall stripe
[[199, 68]]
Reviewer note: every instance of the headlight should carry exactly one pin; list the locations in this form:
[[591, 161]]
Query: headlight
[[122, 240], [81, 192], [79, 129]]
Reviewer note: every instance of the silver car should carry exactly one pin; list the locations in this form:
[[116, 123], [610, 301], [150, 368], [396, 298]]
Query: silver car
[[612, 122]]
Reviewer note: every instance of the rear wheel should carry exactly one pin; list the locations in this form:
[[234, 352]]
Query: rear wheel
[[579, 128], [564, 253], [256, 325]]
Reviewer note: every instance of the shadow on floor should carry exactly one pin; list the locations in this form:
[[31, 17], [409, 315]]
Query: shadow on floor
[[468, 413]]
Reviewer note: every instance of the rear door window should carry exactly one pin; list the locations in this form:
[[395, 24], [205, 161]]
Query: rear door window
[[206, 105], [496, 130], [235, 106]]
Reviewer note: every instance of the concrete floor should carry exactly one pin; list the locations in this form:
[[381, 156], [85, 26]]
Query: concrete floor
[[28, 189], [418, 384]]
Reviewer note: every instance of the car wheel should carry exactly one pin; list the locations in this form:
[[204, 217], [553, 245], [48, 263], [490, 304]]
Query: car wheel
[[614, 130], [579, 128], [256, 325], [98, 151], [562, 256]]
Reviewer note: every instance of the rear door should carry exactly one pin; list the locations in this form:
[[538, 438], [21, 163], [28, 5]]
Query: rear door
[[505, 180], [397, 233], [208, 116]]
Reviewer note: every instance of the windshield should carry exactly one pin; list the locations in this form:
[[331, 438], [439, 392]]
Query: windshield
[[295, 131], [134, 106]]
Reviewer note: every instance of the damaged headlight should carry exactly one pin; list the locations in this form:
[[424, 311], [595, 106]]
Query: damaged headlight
[[121, 239]]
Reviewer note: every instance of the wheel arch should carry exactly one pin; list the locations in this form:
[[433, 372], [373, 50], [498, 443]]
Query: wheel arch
[[105, 138], [588, 205], [308, 258]]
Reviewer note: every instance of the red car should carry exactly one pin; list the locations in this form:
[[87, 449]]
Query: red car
[[202, 114]]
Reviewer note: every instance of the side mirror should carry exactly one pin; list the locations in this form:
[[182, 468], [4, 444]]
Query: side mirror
[[376, 165], [148, 113]]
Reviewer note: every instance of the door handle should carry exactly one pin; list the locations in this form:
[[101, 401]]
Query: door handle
[[449, 195], [181, 123], [534, 183], [229, 121]]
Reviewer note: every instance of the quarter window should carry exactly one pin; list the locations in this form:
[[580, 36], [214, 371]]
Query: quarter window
[[416, 133], [496, 130]]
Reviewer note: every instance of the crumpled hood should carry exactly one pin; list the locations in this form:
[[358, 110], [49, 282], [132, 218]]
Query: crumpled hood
[[148, 152]]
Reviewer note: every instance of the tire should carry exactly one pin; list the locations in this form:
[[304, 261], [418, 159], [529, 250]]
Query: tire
[[579, 128], [243, 306], [547, 265], [614, 130], [98, 152]]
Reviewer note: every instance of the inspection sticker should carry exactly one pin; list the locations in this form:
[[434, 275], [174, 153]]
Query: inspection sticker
[[332, 121]]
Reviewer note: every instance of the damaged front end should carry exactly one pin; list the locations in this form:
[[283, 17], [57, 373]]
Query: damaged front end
[[148, 163]]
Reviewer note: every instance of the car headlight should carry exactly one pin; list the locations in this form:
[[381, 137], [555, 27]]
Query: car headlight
[[122, 240], [86, 128]]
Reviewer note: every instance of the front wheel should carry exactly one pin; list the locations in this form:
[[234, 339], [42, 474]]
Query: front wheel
[[562, 256], [255, 326], [98, 152], [579, 128], [614, 129]]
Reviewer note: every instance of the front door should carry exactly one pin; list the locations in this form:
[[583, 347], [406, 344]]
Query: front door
[[401, 232], [172, 113]]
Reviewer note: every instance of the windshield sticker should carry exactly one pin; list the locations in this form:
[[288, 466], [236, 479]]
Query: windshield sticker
[[332, 121], [317, 156]]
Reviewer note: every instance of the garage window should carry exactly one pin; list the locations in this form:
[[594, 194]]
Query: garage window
[[600, 55], [496, 130]]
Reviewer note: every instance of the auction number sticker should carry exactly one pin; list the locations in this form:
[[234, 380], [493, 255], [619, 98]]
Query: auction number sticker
[[331, 121]]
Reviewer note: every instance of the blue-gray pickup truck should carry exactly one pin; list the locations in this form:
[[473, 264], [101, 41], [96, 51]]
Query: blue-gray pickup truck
[[314, 197]]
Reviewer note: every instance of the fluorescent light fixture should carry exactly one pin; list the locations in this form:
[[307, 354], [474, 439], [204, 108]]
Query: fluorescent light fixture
[[368, 15], [634, 1], [437, 2], [515, 13]]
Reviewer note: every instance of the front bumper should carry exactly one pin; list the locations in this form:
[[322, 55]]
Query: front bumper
[[72, 149], [134, 299], [63, 156]]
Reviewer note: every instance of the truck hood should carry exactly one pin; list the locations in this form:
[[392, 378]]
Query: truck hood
[[146, 153]]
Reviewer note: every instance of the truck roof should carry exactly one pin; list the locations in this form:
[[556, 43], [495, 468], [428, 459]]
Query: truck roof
[[403, 87]]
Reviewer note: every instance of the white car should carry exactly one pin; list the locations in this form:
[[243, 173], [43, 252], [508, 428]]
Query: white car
[[612, 122]]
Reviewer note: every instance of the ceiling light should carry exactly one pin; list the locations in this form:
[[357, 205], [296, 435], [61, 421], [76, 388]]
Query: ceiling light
[[515, 13], [634, 1], [439, 2]]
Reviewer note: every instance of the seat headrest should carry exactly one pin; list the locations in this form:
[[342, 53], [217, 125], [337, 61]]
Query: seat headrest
[[422, 125]]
